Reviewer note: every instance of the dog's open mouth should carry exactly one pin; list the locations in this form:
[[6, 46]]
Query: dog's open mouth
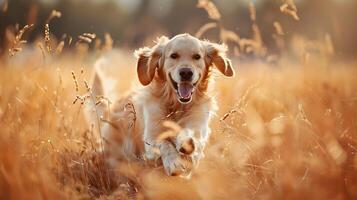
[[184, 90]]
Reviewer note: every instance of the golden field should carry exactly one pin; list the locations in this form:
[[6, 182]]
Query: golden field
[[282, 132], [286, 126]]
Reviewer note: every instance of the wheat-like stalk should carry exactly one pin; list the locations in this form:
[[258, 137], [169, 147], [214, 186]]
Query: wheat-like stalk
[[227, 35], [278, 38], [59, 47], [70, 39], [329, 47], [290, 8], [203, 29], [252, 11], [86, 37], [54, 14], [48, 38], [278, 28], [241, 103], [210, 8], [42, 50], [108, 42], [5, 6], [18, 41], [75, 80]]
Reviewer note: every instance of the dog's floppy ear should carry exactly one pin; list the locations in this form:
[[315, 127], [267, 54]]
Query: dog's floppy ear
[[149, 60], [216, 54]]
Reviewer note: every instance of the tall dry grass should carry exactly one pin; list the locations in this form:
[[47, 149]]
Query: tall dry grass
[[283, 131]]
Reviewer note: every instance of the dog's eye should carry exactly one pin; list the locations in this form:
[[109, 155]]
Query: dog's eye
[[196, 56], [174, 56]]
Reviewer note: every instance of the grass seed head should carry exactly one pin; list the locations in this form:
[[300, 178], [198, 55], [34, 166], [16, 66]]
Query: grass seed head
[[54, 14], [75, 80], [203, 29], [210, 8], [252, 11], [48, 38], [16, 43], [289, 8], [278, 28]]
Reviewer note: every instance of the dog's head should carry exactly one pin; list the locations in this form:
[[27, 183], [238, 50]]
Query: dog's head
[[183, 61]]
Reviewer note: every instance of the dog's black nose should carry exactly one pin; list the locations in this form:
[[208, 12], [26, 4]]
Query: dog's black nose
[[186, 74]]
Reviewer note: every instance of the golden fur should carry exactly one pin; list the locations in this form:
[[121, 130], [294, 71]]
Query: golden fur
[[136, 127]]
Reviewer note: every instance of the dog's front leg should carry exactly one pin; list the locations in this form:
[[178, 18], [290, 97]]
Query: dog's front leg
[[191, 142], [152, 128], [174, 163], [193, 136]]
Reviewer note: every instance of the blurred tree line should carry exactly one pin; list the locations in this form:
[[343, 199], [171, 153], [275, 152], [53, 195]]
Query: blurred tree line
[[135, 24]]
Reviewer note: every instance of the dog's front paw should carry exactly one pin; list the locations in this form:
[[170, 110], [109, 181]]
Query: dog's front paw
[[177, 165], [185, 142], [182, 139]]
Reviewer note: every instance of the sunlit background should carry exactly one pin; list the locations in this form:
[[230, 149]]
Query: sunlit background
[[286, 126], [134, 22]]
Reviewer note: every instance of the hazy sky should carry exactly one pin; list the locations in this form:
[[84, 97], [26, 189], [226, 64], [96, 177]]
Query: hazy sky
[[165, 6]]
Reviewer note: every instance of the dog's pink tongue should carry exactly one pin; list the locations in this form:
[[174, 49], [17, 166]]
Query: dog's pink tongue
[[185, 90]]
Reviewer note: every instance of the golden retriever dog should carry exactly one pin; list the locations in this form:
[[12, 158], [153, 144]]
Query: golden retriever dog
[[167, 119]]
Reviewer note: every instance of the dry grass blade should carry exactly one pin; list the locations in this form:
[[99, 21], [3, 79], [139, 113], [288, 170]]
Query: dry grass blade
[[203, 29], [5, 6], [75, 80], [227, 35], [108, 42], [257, 36], [90, 35], [18, 40], [210, 8], [292, 4], [279, 40], [86, 37], [241, 103], [252, 11], [258, 46], [70, 40], [54, 14], [290, 8], [87, 86], [59, 47], [48, 38], [278, 28], [319, 132], [48, 45], [129, 107], [48, 150], [329, 47], [42, 50]]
